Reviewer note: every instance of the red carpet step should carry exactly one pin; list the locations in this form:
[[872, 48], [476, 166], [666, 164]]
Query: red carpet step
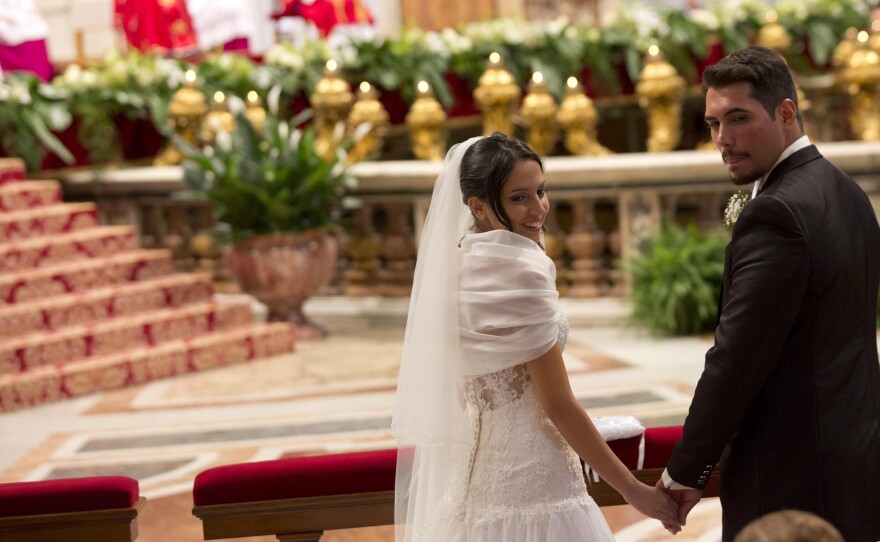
[[82, 309], [11, 169], [79, 276], [143, 365], [56, 249], [93, 305], [141, 330], [23, 195], [64, 217]]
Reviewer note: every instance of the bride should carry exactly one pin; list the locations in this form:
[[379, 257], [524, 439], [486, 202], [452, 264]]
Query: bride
[[488, 428]]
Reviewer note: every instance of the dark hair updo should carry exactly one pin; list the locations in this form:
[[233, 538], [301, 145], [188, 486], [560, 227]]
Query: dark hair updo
[[485, 167]]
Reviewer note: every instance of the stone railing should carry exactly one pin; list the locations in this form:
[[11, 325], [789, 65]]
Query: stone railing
[[602, 209]]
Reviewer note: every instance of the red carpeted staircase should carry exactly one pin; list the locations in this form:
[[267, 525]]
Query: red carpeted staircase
[[83, 309]]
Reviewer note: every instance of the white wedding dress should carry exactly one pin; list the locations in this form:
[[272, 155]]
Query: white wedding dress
[[526, 483]]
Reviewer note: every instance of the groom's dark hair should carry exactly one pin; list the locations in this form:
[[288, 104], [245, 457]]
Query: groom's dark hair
[[764, 68]]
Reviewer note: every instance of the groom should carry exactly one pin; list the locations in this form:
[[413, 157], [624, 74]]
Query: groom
[[790, 392]]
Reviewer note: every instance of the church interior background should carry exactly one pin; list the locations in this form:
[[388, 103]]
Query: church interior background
[[135, 341]]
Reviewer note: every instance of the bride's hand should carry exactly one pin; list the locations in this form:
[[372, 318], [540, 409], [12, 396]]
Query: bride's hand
[[655, 503]]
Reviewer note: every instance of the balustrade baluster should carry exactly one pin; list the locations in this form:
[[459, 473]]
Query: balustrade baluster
[[362, 249], [586, 244], [398, 250]]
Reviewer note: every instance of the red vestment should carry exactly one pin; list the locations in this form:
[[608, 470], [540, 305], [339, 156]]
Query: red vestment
[[156, 25], [326, 14]]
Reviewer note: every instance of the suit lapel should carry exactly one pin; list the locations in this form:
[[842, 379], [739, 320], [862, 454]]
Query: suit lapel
[[796, 160]]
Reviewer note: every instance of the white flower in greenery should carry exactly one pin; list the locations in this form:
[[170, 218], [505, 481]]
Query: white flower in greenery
[[224, 140], [295, 137], [4, 92], [455, 42], [435, 44], [705, 19], [735, 206]]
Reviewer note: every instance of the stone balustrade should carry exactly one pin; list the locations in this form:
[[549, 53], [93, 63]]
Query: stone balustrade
[[602, 209]]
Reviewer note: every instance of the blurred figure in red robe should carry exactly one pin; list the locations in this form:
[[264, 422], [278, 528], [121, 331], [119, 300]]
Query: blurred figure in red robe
[[162, 26], [23, 33], [328, 14]]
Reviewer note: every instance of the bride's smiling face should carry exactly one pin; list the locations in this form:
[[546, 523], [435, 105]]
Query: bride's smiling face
[[524, 201]]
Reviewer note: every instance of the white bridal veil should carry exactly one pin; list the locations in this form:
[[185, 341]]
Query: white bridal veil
[[430, 417]]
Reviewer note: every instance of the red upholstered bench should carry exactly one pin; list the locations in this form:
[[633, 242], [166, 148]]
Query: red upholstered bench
[[100, 508], [300, 498]]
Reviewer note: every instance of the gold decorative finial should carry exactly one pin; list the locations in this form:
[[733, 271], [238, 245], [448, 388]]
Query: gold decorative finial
[[773, 35], [660, 91], [255, 112], [845, 48], [860, 75], [367, 109], [219, 119], [331, 101], [538, 113], [185, 112], [577, 116], [425, 120], [496, 95]]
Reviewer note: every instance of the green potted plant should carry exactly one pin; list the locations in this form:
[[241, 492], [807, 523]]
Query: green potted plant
[[279, 202]]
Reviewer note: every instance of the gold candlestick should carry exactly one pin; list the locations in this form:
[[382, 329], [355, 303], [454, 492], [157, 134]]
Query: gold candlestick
[[773, 35], [425, 121], [219, 119], [846, 48], [255, 112], [496, 95], [185, 114], [367, 109], [577, 115], [331, 100], [538, 112], [660, 90], [860, 76]]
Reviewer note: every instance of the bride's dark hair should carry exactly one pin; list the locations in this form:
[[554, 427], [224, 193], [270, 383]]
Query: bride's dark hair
[[485, 167]]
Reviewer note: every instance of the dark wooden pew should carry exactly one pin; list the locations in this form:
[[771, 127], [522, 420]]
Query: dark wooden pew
[[297, 499], [92, 509]]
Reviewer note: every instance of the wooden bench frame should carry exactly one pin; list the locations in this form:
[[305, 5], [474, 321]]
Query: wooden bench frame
[[305, 519], [111, 525]]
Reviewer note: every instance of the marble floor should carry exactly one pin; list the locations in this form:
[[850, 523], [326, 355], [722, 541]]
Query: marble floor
[[329, 396]]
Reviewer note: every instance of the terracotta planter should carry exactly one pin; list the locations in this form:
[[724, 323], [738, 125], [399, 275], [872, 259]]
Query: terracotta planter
[[282, 270]]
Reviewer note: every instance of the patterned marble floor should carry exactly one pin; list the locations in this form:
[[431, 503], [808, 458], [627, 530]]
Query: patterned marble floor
[[329, 396]]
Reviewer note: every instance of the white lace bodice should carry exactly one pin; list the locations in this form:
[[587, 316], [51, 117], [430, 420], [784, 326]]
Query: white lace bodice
[[488, 392], [519, 462]]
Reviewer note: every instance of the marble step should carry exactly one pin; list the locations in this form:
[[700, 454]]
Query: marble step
[[56, 249], [93, 305], [138, 366], [22, 195], [11, 170], [120, 334], [48, 220], [80, 276]]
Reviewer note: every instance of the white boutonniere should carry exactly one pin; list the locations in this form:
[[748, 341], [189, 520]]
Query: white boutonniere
[[735, 205]]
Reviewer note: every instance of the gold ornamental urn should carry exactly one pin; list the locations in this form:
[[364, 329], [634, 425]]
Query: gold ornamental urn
[[496, 95]]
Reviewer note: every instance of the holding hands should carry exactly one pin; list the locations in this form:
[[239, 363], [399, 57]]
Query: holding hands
[[685, 498], [657, 503]]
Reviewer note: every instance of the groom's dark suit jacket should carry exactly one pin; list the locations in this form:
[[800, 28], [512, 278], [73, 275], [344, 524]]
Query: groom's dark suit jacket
[[791, 389]]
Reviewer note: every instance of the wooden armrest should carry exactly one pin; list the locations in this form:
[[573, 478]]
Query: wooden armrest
[[305, 515], [112, 525]]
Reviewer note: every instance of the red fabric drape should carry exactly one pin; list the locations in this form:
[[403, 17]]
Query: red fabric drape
[[156, 25]]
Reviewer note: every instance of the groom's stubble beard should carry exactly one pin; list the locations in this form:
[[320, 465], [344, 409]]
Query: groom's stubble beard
[[745, 177]]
